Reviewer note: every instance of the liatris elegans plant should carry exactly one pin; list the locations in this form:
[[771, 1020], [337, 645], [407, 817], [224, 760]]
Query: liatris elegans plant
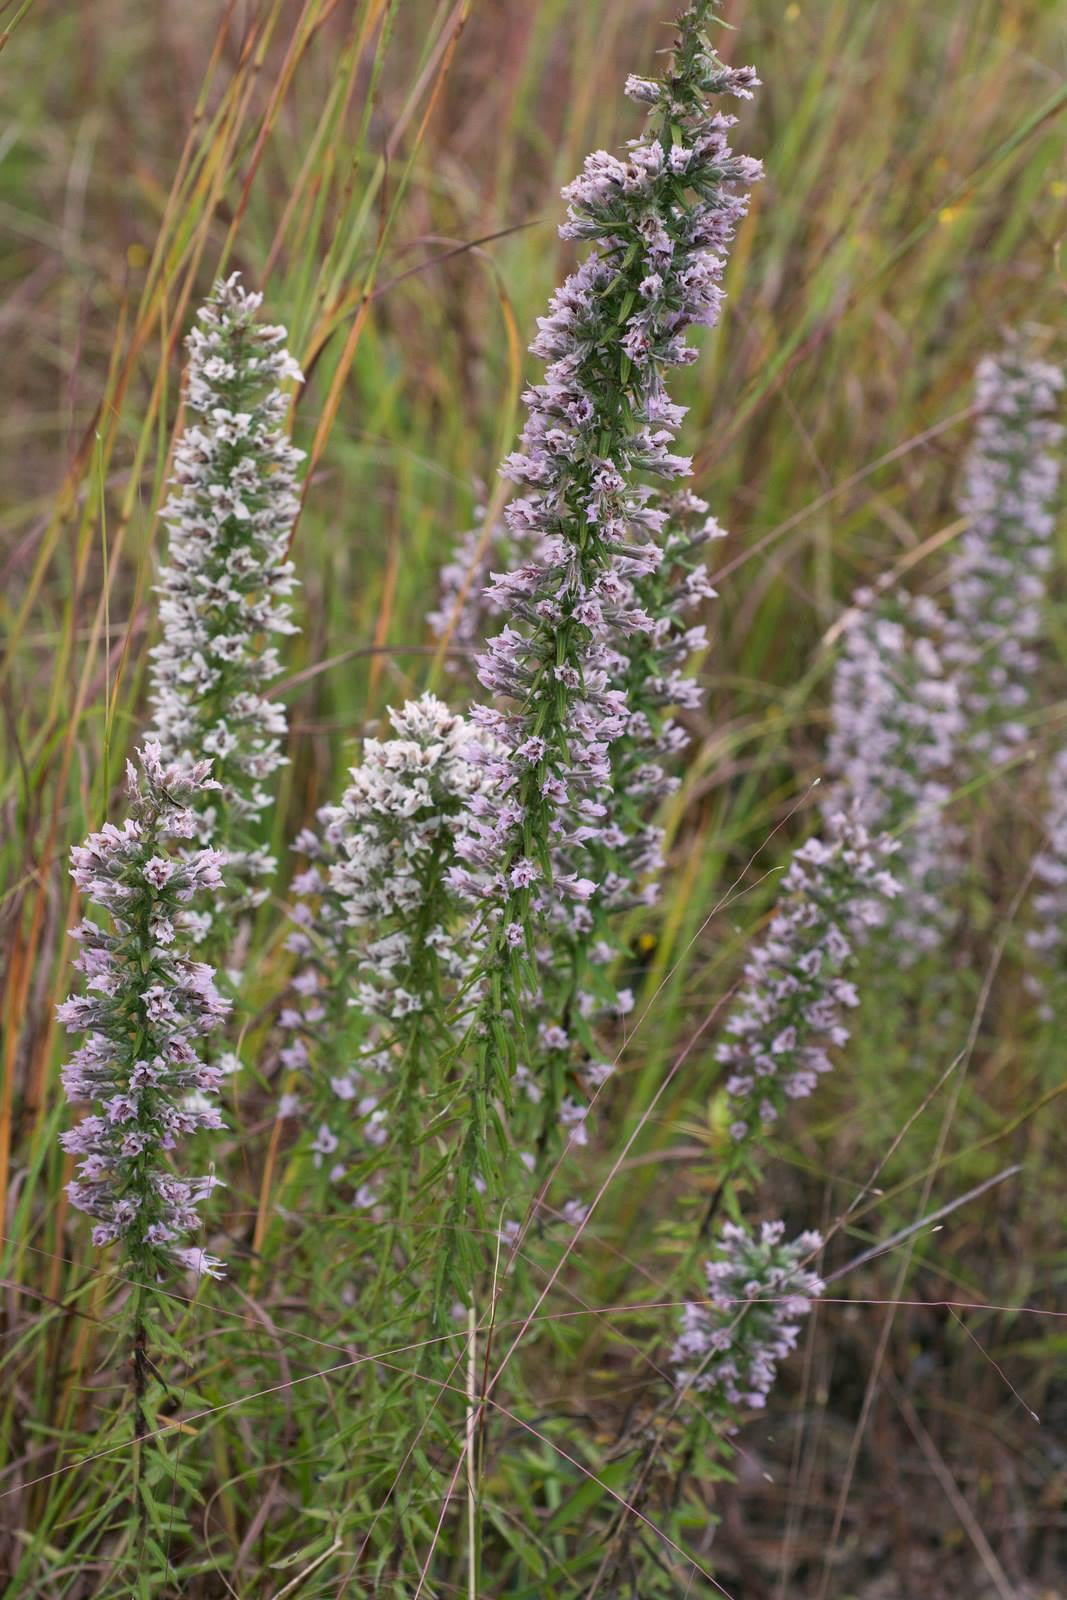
[[1000, 574], [223, 591], [148, 1005], [790, 1010], [383, 941], [482, 1148], [720, 1368], [660, 221], [896, 728]]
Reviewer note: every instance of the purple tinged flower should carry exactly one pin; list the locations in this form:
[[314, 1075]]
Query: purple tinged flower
[[552, 1036], [572, 1115], [590, 583], [199, 1262], [158, 871], [523, 873]]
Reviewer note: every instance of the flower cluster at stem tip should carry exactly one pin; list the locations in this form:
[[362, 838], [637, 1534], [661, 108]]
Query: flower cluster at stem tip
[[728, 1349], [790, 1010]]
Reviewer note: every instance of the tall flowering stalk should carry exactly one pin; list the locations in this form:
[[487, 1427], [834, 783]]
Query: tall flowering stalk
[[1000, 574], [222, 592], [146, 1007], [721, 1366], [790, 1010], [380, 935], [660, 221], [896, 727]]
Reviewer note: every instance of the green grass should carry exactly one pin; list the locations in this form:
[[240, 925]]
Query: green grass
[[349, 159]]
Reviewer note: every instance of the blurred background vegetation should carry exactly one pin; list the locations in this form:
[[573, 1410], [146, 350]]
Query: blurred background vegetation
[[388, 173]]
